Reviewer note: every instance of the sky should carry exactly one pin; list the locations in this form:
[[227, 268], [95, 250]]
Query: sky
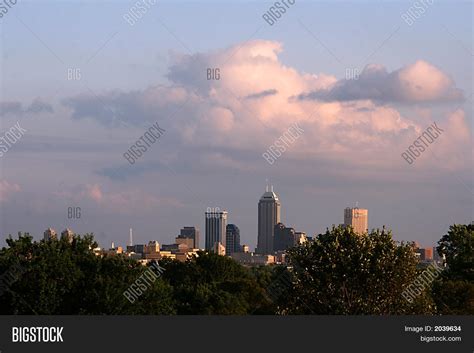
[[360, 82]]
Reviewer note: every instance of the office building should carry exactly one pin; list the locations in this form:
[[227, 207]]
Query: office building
[[284, 237], [189, 242], [153, 247], [216, 223], [67, 234], [253, 259], [50, 234], [232, 239], [190, 233], [268, 216], [218, 248], [357, 218], [426, 254], [180, 251], [137, 248], [300, 238]]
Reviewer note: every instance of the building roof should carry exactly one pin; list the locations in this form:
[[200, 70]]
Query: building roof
[[269, 195]]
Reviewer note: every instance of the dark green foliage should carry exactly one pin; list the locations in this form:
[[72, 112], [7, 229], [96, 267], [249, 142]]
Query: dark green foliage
[[458, 247], [62, 278], [344, 273], [453, 293], [212, 284], [339, 272]]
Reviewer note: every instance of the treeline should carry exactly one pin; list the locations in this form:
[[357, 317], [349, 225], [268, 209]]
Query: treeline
[[338, 272]]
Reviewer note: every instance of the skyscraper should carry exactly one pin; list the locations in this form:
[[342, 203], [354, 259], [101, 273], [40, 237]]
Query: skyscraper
[[284, 237], [232, 239], [216, 222], [67, 234], [268, 216], [190, 233], [50, 234], [357, 218]]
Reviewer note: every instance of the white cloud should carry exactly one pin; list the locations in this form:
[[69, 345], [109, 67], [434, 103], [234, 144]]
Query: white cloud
[[345, 124]]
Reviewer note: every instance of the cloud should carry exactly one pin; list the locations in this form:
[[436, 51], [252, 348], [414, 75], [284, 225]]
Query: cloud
[[122, 201], [262, 94], [126, 171], [119, 109], [94, 192], [344, 122], [415, 83], [6, 189], [36, 107], [10, 108]]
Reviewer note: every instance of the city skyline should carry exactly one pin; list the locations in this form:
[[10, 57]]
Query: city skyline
[[216, 228]]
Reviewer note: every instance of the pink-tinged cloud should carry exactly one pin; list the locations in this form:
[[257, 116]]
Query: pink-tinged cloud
[[414, 83], [123, 201], [453, 148], [258, 97], [423, 82], [7, 189], [94, 192]]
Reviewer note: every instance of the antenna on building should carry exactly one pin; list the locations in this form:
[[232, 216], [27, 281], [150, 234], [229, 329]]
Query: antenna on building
[[272, 188], [112, 246], [266, 187], [131, 238]]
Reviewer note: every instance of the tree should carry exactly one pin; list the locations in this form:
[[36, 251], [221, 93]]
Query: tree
[[209, 284], [341, 272], [59, 277], [454, 291], [458, 248]]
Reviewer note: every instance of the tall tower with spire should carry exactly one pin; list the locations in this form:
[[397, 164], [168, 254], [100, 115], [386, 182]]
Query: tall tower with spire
[[268, 216]]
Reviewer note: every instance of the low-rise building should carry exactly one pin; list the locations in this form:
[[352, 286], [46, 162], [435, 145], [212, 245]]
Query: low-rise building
[[253, 259]]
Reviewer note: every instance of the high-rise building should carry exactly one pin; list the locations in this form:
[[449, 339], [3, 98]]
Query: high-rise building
[[284, 237], [67, 234], [50, 234], [232, 239], [216, 222], [192, 233], [357, 218], [426, 254], [268, 216]]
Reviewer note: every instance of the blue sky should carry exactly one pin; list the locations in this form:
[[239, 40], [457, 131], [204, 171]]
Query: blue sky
[[65, 157]]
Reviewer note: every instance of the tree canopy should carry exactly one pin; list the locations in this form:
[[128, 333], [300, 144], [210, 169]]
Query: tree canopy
[[339, 272], [345, 273], [454, 291]]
